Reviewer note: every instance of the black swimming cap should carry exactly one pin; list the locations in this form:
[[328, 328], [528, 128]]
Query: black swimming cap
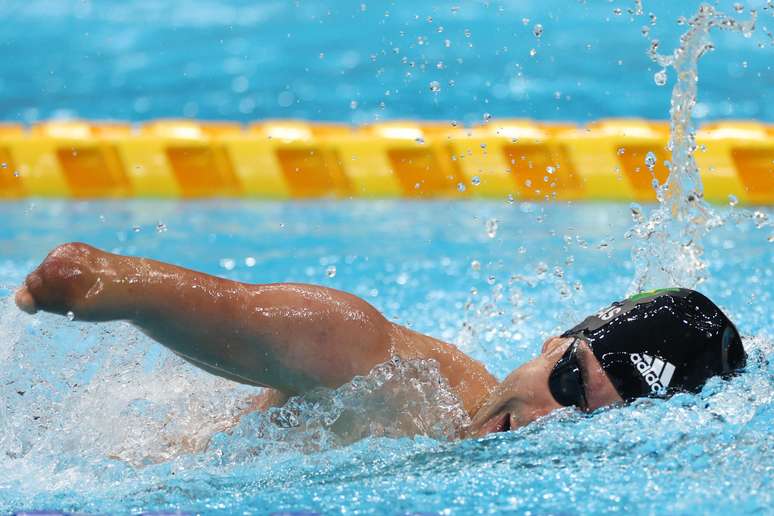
[[663, 341]]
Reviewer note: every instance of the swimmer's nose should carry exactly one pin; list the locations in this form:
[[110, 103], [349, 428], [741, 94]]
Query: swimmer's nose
[[25, 301], [556, 344], [550, 341]]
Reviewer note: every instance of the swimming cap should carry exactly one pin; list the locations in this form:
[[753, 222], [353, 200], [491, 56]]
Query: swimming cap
[[663, 341]]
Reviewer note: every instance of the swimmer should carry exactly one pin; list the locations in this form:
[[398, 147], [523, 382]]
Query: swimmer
[[291, 338]]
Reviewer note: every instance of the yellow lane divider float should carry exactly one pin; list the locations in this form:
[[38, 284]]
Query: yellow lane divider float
[[607, 160]]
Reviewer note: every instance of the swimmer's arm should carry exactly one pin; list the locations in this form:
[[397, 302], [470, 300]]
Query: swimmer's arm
[[290, 337]]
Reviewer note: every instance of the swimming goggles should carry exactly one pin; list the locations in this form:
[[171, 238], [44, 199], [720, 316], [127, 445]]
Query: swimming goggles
[[566, 381]]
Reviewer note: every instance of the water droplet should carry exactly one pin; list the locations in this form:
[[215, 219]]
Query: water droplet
[[681, 20], [636, 211], [525, 21], [136, 229], [771, 238], [738, 7], [419, 140], [402, 278], [760, 219], [446, 43], [460, 187], [353, 104], [537, 30], [550, 169], [475, 266], [654, 44], [435, 86], [467, 33], [439, 65], [227, 263], [250, 261], [645, 31], [475, 180], [660, 77], [532, 52], [487, 117], [732, 200], [161, 227], [70, 315], [490, 280], [617, 11], [650, 160], [3, 165], [454, 123], [620, 151], [491, 228], [16, 173], [330, 271]]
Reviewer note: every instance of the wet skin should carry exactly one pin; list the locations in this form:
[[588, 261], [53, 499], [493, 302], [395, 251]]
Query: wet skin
[[290, 338]]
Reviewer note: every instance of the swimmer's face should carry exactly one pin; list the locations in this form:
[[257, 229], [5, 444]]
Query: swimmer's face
[[524, 395]]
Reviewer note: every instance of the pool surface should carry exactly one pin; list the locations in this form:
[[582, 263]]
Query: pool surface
[[98, 419], [361, 61]]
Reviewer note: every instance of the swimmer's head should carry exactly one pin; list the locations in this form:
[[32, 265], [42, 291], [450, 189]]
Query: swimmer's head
[[650, 345], [660, 342]]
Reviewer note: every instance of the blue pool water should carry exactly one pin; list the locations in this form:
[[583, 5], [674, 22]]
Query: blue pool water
[[98, 419], [360, 61]]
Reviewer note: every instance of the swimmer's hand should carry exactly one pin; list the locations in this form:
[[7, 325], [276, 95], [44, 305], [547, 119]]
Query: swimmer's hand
[[70, 279]]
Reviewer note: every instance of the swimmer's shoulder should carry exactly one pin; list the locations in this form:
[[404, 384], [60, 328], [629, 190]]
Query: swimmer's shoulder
[[468, 377]]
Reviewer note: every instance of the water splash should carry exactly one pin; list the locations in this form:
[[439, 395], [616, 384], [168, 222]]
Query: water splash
[[668, 246], [396, 399]]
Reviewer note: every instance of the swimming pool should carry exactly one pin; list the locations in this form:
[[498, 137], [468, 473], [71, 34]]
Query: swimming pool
[[98, 419], [95, 418]]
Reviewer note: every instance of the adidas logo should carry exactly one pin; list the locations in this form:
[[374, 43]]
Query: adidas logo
[[657, 373]]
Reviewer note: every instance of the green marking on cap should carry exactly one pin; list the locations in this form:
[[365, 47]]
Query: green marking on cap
[[651, 293]]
